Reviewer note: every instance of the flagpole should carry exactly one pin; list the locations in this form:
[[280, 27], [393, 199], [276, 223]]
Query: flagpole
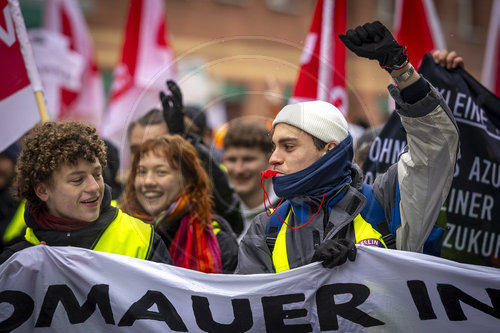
[[40, 102], [326, 52], [29, 60]]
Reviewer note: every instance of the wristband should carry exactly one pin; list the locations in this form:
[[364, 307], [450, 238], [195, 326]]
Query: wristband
[[405, 76]]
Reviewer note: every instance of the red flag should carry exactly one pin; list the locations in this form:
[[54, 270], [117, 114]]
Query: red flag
[[81, 98], [322, 72], [491, 64], [416, 25], [18, 107], [147, 62]]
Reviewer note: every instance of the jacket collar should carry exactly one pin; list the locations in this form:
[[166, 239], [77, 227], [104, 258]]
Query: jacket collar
[[85, 237]]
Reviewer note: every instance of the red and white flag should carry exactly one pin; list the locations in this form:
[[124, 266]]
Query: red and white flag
[[416, 25], [147, 62], [78, 92], [19, 77], [322, 72], [491, 64]]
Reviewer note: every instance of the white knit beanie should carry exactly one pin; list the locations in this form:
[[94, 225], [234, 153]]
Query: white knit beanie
[[320, 119]]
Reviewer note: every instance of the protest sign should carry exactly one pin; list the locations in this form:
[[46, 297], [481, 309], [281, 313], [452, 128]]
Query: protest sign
[[67, 289]]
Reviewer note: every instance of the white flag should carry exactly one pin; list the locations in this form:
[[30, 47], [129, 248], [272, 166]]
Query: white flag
[[78, 92], [19, 78]]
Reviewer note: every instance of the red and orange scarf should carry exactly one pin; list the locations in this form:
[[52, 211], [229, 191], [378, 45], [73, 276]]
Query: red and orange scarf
[[194, 246]]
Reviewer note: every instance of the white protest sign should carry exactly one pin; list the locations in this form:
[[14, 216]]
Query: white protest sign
[[69, 289]]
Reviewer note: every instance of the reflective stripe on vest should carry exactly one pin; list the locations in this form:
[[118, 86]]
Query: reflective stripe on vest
[[364, 232], [126, 235], [280, 255], [216, 226], [16, 225]]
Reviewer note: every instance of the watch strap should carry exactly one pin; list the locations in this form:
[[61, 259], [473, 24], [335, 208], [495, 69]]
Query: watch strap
[[405, 75]]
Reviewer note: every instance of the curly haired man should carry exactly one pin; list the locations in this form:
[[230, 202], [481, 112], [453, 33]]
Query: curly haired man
[[59, 172]]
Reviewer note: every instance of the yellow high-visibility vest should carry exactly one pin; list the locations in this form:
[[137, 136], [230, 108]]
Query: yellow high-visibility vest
[[362, 230], [16, 225], [126, 235]]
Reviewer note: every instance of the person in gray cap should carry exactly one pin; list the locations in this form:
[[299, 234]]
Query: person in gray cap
[[327, 207]]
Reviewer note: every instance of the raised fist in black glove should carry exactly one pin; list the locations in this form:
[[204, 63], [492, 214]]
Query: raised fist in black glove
[[375, 41], [335, 252], [173, 108]]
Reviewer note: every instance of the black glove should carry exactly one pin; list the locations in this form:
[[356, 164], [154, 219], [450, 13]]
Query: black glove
[[374, 41], [335, 252], [173, 109]]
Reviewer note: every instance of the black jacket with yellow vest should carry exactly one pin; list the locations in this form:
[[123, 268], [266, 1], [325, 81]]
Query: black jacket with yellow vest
[[113, 232]]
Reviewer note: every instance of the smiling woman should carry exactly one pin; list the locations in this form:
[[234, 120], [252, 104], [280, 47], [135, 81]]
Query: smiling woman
[[156, 184], [169, 188]]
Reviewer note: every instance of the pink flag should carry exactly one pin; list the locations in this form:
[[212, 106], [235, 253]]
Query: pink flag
[[147, 62], [19, 79], [491, 64], [416, 25], [82, 99], [322, 72]]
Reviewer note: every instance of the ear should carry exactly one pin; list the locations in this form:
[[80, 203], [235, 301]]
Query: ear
[[331, 145], [41, 191]]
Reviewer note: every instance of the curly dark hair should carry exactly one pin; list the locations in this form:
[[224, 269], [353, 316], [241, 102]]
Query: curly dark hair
[[49, 145]]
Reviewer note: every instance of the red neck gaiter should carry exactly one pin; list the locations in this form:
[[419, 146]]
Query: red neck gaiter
[[47, 221]]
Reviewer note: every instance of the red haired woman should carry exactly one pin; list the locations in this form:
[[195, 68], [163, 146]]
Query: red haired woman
[[169, 188]]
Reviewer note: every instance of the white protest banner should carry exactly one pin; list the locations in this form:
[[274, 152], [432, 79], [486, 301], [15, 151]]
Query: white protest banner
[[69, 289], [18, 106]]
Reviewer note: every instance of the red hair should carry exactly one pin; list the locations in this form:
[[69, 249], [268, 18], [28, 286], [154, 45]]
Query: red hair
[[182, 156]]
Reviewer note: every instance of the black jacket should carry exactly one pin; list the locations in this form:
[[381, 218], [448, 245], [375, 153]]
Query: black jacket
[[8, 207]]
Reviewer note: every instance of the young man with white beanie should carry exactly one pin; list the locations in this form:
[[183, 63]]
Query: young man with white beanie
[[328, 209]]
